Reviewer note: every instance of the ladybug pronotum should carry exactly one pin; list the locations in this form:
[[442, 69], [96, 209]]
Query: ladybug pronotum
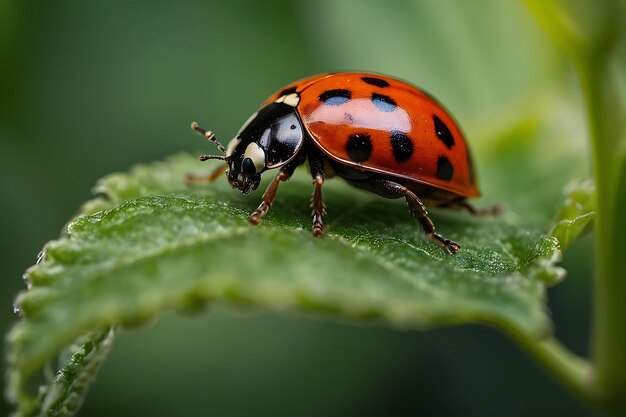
[[376, 132]]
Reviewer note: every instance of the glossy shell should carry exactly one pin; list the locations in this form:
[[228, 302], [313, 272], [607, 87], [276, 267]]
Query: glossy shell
[[380, 124]]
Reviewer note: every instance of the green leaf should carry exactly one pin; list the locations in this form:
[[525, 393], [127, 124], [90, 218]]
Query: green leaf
[[64, 395], [576, 214], [151, 243]]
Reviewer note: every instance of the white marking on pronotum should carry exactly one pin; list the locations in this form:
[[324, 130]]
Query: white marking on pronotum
[[292, 99], [254, 152], [280, 99], [231, 146]]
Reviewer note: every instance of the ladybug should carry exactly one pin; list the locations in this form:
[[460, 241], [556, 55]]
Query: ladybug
[[376, 132]]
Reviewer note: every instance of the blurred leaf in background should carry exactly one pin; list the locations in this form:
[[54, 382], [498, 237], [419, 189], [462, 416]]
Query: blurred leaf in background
[[90, 88]]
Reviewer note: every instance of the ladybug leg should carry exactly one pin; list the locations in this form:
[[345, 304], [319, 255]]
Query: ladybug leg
[[416, 207], [316, 163], [317, 204], [268, 197], [206, 179], [419, 210], [270, 192]]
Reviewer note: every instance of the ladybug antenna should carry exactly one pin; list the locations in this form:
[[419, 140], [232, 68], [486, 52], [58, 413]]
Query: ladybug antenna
[[210, 136], [207, 157]]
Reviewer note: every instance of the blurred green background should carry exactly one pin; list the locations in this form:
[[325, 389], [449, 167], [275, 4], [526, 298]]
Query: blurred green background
[[88, 88]]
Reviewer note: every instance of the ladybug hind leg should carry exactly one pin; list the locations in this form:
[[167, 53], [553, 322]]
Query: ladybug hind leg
[[391, 189]]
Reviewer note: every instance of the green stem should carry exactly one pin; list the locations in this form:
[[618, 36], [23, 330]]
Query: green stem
[[589, 32], [570, 370], [607, 144]]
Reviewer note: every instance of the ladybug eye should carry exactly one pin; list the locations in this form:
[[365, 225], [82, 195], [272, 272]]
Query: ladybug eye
[[247, 167]]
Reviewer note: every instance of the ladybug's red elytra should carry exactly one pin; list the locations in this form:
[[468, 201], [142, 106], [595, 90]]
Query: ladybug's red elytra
[[376, 132]]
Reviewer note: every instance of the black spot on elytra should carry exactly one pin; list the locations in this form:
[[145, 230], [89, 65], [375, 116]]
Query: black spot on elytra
[[383, 103], [288, 91], [402, 146], [378, 82], [359, 147], [335, 97], [443, 133], [445, 170]]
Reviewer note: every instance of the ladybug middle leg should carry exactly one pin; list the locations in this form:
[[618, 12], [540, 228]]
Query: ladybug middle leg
[[316, 163], [391, 189]]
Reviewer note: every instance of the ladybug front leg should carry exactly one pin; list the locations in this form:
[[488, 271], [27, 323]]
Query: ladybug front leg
[[268, 197], [316, 163], [270, 192], [416, 207]]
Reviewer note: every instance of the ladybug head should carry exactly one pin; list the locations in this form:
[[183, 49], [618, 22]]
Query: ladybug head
[[269, 139]]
